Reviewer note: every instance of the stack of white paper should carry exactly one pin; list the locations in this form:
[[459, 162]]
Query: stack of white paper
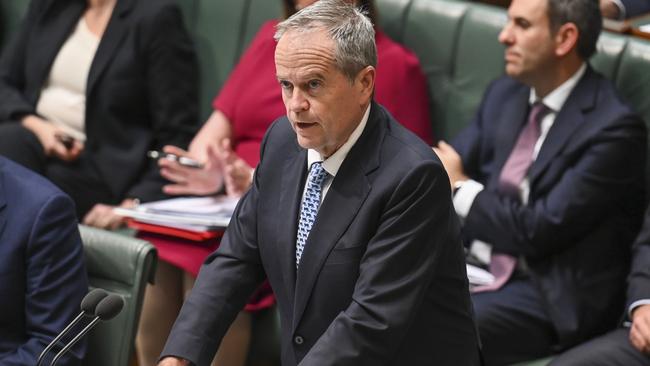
[[194, 213]]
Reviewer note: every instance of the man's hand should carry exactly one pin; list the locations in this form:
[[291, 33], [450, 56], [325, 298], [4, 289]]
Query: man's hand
[[103, 217], [173, 361], [451, 161], [640, 330], [46, 133], [186, 180], [609, 9]]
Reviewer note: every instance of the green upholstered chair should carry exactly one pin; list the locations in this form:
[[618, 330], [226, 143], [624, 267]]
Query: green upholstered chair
[[259, 11], [392, 17], [216, 26], [122, 265], [457, 45]]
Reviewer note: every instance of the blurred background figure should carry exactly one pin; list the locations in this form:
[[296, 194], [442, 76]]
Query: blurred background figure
[[623, 9], [42, 271], [87, 88]]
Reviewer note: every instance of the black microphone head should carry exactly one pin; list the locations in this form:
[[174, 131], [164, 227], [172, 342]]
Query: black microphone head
[[90, 301], [109, 307]]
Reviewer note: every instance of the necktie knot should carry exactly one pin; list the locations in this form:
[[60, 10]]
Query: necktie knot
[[516, 167], [537, 112], [317, 174]]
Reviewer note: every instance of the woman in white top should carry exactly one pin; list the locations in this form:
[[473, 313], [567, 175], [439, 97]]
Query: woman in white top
[[87, 87]]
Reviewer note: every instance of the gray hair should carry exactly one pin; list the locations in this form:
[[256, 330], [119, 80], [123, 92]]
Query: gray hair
[[585, 14], [352, 32]]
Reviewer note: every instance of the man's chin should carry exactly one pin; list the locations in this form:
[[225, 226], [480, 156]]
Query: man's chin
[[306, 142]]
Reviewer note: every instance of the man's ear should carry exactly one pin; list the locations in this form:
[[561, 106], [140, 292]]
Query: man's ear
[[566, 39], [366, 82]]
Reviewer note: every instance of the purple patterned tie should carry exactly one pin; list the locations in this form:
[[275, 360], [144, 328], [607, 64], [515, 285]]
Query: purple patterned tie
[[521, 157], [513, 173]]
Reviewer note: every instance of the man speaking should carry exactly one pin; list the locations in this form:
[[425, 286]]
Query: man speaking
[[349, 216]]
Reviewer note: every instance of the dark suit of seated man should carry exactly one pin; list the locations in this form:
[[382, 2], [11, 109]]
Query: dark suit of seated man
[[548, 179], [624, 9], [368, 269], [628, 345], [42, 271]]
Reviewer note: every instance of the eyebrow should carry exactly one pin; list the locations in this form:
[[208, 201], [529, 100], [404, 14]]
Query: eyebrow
[[308, 76]]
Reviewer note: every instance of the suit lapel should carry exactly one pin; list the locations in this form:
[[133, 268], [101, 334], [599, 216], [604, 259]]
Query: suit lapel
[[115, 31], [345, 196], [293, 179], [567, 121], [52, 30], [512, 121]]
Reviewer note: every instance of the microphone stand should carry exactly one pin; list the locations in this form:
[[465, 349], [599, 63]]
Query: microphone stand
[[74, 340], [58, 338]]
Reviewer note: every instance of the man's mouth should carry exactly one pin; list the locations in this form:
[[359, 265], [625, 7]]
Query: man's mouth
[[305, 125]]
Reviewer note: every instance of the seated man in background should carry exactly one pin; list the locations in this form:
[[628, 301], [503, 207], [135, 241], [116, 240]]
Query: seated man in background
[[628, 345], [623, 9], [349, 215], [548, 179], [42, 272]]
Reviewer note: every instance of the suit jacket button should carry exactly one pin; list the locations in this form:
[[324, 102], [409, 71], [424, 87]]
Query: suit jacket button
[[298, 340]]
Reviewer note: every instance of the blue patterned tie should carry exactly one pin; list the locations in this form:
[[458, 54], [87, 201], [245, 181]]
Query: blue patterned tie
[[309, 206]]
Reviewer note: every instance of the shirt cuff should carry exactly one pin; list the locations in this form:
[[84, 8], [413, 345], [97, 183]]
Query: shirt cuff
[[464, 197], [635, 305]]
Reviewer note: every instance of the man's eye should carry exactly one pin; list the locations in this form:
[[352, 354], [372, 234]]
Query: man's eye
[[285, 84], [313, 84]]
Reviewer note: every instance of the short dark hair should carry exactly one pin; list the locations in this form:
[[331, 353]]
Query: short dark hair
[[585, 14], [367, 5]]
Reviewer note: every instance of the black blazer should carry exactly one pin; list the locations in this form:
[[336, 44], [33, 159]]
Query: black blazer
[[585, 204], [382, 278], [141, 92]]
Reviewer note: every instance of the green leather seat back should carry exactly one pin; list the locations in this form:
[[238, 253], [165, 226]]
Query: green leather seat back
[[633, 77], [216, 27], [608, 56], [478, 61], [392, 17], [633, 82], [122, 265], [431, 30], [259, 11]]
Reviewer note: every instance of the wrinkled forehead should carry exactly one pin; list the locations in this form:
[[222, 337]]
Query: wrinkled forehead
[[311, 49]]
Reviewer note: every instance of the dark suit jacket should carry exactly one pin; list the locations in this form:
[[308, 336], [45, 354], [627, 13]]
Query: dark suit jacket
[[382, 278], [141, 92], [636, 7], [42, 272], [585, 204]]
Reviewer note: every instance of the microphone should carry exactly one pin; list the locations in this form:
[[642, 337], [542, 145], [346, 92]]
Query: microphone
[[107, 309], [88, 305]]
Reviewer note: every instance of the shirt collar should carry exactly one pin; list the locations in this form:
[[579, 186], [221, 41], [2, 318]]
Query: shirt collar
[[555, 99], [333, 163]]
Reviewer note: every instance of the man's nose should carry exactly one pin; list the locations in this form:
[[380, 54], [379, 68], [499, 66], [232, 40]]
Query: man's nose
[[298, 103], [505, 36]]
